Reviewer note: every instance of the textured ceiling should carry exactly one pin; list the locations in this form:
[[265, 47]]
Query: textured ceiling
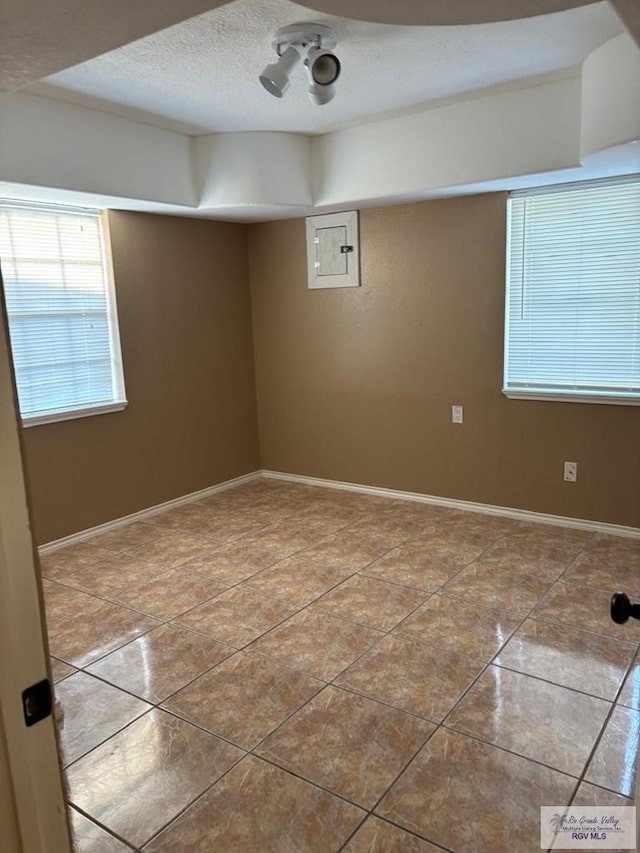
[[201, 75], [438, 12], [38, 37]]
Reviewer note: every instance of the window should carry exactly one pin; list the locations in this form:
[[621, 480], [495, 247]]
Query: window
[[572, 319], [62, 313]]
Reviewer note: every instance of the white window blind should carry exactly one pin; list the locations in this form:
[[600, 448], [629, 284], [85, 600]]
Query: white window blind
[[62, 315], [572, 320]]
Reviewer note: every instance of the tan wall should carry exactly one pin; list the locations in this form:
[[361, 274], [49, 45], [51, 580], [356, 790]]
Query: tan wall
[[357, 384], [185, 326]]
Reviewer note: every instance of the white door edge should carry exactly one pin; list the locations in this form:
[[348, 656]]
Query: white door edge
[[33, 761]]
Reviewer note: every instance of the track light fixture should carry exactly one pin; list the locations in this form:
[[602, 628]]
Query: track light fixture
[[275, 77], [312, 44]]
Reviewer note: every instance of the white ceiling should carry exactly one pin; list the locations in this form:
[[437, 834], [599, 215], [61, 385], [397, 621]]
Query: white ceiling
[[439, 12], [200, 76], [38, 37]]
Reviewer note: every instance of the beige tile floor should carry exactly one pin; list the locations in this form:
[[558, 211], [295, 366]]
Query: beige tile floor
[[280, 667]]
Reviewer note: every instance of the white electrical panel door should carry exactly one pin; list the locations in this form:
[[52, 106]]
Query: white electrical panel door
[[329, 257], [333, 259]]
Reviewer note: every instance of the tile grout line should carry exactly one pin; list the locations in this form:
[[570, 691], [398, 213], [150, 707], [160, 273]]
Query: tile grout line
[[564, 686], [335, 686], [156, 705], [159, 705], [399, 826], [237, 540], [392, 631], [372, 810], [526, 616], [191, 803], [487, 665], [171, 621], [581, 779], [441, 725], [598, 740], [95, 821], [613, 703]]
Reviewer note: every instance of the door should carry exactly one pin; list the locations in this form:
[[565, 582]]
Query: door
[[623, 609], [31, 785]]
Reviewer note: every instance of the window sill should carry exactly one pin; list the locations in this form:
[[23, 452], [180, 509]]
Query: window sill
[[71, 415], [568, 397]]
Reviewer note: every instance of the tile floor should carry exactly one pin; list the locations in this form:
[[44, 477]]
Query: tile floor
[[281, 667]]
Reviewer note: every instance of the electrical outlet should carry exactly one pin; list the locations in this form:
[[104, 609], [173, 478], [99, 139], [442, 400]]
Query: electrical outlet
[[571, 472], [456, 414]]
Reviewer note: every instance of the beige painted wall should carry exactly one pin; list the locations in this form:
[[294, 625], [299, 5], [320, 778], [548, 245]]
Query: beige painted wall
[[353, 384], [357, 384], [185, 326]]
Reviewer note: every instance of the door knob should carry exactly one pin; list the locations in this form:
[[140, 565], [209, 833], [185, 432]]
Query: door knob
[[622, 608]]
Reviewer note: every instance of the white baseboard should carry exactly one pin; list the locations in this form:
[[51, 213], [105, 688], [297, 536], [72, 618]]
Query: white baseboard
[[468, 506], [147, 513]]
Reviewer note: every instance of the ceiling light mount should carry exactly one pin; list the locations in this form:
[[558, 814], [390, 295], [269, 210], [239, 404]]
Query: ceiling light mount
[[313, 44]]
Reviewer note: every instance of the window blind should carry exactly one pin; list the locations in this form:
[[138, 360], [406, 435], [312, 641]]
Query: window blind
[[61, 310], [572, 320]]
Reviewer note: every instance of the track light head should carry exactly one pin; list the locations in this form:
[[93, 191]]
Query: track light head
[[320, 95], [275, 77], [312, 43], [323, 68]]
